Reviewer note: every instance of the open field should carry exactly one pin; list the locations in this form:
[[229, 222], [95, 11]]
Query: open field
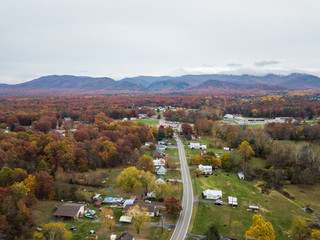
[[147, 121], [233, 222], [172, 152]]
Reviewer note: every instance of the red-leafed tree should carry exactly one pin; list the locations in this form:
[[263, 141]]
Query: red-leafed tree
[[44, 188], [173, 206], [186, 129]]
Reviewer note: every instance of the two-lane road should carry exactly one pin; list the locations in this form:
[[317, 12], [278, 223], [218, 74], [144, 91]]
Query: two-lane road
[[182, 225]]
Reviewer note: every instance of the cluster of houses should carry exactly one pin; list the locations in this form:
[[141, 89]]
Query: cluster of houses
[[76, 210], [159, 153]]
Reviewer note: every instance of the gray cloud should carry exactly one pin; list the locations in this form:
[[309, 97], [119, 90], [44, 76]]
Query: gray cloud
[[266, 63], [234, 65]]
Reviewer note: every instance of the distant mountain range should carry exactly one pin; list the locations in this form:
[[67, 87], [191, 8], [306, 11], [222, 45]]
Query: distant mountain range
[[67, 84]]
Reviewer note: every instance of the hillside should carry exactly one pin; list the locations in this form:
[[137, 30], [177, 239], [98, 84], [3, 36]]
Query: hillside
[[168, 85], [68, 84], [216, 84]]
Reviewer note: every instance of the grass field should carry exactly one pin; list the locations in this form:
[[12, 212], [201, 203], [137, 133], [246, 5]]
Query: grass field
[[233, 222], [173, 174], [147, 121], [172, 152]]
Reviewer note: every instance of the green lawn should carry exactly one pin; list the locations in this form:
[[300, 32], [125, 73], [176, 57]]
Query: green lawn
[[172, 152], [157, 233], [147, 121], [173, 174], [233, 222]]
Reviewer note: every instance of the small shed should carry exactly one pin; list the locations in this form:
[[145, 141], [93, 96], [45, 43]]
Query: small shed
[[96, 197], [129, 202], [226, 148], [241, 175], [254, 208], [125, 219], [233, 201]]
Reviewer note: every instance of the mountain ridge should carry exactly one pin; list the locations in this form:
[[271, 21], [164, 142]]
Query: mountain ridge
[[69, 84]]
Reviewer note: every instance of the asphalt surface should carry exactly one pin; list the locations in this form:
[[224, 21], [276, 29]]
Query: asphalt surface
[[182, 225]]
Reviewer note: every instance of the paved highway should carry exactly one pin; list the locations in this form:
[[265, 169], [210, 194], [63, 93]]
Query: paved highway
[[182, 225]]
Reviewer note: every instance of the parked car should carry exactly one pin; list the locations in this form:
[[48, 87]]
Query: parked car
[[88, 215], [91, 232], [147, 201], [218, 202], [73, 228]]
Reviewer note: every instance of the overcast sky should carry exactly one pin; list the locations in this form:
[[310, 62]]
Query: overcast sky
[[120, 38]]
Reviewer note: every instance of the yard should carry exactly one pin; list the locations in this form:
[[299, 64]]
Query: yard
[[233, 222], [213, 144]]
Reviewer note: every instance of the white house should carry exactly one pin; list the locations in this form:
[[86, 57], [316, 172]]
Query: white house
[[206, 169], [160, 170], [160, 146], [159, 162], [212, 194], [228, 117], [226, 148], [196, 146], [233, 201]]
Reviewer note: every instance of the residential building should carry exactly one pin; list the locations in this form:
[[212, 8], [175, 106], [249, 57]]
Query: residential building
[[206, 169], [160, 170], [159, 162], [196, 146], [152, 211], [70, 210], [212, 194]]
